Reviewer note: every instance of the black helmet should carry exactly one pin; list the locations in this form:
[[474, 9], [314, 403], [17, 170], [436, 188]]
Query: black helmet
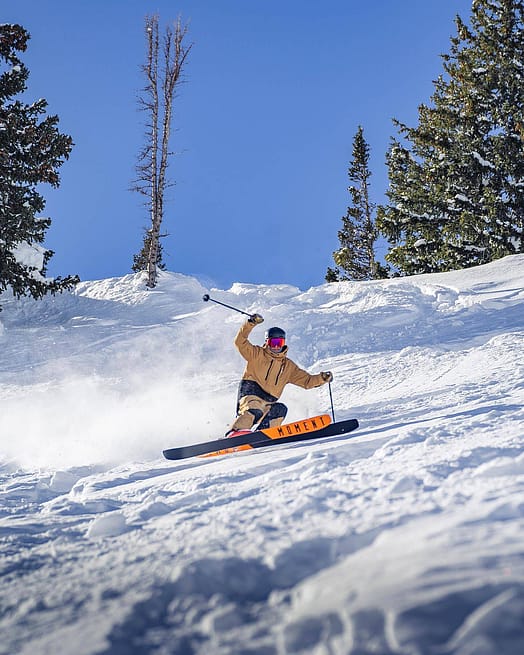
[[275, 333]]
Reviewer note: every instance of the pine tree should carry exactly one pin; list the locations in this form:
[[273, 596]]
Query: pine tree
[[355, 259], [31, 151], [457, 179], [140, 260]]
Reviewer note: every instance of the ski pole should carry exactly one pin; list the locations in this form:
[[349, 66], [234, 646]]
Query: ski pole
[[331, 400], [207, 297]]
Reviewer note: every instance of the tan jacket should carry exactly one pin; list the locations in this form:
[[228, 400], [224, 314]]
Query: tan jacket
[[272, 371]]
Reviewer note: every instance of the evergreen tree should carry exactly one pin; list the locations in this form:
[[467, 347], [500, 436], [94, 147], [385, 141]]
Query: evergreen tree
[[31, 151], [140, 260], [457, 179], [355, 259]]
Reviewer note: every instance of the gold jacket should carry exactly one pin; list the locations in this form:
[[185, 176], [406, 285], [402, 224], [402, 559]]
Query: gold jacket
[[271, 371]]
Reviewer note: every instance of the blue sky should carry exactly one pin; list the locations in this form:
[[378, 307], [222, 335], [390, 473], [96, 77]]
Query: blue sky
[[263, 128]]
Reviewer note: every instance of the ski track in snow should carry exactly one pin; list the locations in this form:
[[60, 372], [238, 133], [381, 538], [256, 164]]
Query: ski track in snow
[[405, 537]]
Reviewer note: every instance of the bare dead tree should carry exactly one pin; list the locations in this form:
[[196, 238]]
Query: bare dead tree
[[163, 72]]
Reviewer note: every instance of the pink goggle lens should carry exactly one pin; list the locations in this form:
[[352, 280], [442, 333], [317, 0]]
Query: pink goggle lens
[[276, 342]]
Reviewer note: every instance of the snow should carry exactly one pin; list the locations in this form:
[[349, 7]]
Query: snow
[[31, 256], [404, 538], [462, 198], [483, 162]]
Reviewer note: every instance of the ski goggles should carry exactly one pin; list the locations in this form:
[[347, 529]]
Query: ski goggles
[[276, 342]]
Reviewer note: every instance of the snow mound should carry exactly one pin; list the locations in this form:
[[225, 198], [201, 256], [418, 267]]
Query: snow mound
[[403, 537]]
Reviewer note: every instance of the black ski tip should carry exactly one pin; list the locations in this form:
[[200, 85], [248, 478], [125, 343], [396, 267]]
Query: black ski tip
[[349, 425], [205, 297]]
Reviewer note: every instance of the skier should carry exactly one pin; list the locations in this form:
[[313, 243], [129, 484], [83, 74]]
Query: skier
[[267, 372]]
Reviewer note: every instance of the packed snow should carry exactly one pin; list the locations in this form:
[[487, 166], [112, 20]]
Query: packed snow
[[404, 537]]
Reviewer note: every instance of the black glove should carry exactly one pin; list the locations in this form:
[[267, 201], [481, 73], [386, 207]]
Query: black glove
[[255, 319], [327, 376]]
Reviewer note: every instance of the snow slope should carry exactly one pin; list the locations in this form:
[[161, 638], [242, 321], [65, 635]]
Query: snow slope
[[407, 538]]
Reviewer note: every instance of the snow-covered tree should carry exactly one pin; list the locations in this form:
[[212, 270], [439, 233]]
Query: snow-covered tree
[[31, 152], [162, 80], [355, 259], [457, 179]]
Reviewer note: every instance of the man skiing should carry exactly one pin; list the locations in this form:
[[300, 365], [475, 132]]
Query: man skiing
[[267, 372]]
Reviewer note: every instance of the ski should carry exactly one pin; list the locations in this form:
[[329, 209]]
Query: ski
[[331, 430], [267, 434], [312, 428]]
